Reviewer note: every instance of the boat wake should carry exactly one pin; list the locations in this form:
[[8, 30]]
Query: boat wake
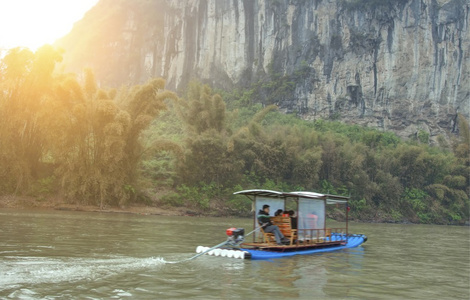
[[19, 271]]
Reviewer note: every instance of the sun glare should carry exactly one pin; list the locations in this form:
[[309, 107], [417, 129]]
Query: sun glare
[[33, 23]]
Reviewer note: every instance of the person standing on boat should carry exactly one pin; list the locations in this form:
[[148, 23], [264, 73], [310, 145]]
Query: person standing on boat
[[265, 221]]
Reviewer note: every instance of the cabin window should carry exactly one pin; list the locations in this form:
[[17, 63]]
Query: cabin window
[[311, 217], [274, 204]]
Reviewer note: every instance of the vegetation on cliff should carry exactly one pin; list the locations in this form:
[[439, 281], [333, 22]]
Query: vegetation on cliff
[[61, 134]]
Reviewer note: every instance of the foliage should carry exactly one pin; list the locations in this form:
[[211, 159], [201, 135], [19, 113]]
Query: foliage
[[414, 199], [273, 88], [423, 137], [208, 156], [96, 141], [172, 199], [44, 186], [26, 80], [391, 177], [89, 135], [198, 196], [63, 134]]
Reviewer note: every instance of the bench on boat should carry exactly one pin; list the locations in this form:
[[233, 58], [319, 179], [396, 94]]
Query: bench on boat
[[267, 237], [285, 226]]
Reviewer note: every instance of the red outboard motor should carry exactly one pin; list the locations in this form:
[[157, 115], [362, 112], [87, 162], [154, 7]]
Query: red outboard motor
[[236, 236]]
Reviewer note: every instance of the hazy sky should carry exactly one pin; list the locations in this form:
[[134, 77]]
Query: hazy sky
[[33, 23]]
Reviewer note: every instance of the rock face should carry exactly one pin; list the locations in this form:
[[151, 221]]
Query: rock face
[[400, 65]]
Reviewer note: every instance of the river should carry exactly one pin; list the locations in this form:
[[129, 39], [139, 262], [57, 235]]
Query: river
[[79, 255]]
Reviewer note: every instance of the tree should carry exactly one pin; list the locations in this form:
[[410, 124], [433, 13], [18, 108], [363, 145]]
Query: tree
[[96, 140], [27, 80], [207, 157]]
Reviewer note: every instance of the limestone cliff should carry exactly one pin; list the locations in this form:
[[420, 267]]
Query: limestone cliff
[[400, 65]]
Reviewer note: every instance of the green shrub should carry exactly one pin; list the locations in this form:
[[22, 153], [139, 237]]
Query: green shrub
[[172, 199], [415, 198], [396, 215], [240, 205], [44, 186]]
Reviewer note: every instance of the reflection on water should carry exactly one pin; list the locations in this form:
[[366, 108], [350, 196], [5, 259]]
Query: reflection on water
[[68, 255]]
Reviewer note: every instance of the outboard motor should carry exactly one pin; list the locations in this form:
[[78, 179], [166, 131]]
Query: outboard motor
[[236, 236]]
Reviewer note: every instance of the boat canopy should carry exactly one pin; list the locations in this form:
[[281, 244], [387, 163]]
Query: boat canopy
[[310, 213], [263, 193], [330, 199]]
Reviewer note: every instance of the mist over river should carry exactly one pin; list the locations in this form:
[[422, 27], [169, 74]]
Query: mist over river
[[80, 255]]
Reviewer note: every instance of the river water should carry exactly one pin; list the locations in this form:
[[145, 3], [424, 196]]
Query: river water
[[78, 255]]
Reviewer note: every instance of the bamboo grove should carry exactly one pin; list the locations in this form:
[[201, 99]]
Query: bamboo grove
[[75, 135], [61, 135]]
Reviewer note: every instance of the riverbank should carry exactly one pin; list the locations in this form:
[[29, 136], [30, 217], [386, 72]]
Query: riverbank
[[23, 202]]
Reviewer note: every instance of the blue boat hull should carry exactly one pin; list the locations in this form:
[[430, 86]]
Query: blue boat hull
[[353, 241]]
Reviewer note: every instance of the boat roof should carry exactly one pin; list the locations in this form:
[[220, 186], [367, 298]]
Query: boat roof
[[331, 199]]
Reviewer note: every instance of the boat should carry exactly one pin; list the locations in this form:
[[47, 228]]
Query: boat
[[300, 217]]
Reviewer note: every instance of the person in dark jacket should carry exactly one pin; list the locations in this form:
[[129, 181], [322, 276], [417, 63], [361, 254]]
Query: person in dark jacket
[[265, 222], [293, 219]]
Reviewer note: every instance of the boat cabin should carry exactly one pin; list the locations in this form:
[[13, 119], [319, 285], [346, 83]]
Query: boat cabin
[[301, 219]]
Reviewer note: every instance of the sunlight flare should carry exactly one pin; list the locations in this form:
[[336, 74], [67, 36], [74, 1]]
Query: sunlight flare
[[32, 23]]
